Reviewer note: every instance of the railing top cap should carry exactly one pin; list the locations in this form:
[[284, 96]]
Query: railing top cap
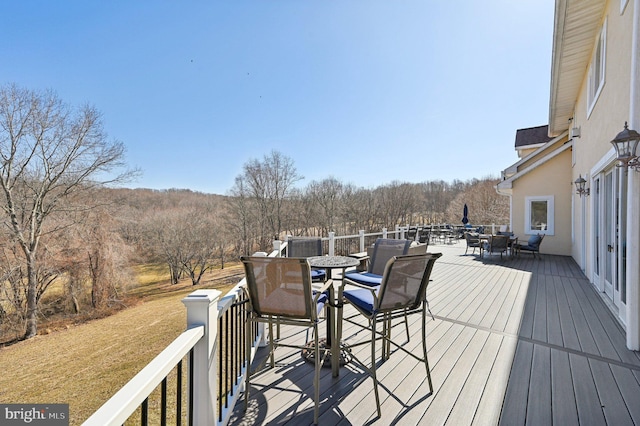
[[209, 294]]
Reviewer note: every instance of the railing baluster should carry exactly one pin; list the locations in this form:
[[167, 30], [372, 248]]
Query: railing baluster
[[163, 402], [191, 359], [227, 345], [220, 364], [144, 414], [179, 395], [234, 348]]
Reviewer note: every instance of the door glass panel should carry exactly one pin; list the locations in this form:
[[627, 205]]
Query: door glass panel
[[596, 228], [608, 226], [622, 279]]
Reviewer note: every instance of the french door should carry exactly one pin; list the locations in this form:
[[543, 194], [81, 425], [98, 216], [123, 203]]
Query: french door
[[609, 217]]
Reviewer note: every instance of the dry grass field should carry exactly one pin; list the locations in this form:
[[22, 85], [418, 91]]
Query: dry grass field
[[86, 364]]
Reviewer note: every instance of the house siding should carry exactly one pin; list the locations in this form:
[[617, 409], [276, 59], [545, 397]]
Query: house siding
[[551, 179]]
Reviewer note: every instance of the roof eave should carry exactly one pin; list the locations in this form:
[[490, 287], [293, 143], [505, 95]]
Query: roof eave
[[576, 24]]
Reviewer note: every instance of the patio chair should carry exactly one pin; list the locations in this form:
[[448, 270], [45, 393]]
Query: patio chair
[[473, 241], [403, 290], [307, 247], [383, 250], [411, 233], [497, 244], [532, 246], [279, 289], [424, 236]]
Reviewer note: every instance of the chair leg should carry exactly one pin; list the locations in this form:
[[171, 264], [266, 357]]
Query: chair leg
[[386, 332], [316, 379], [271, 345], [424, 346], [373, 364], [406, 325], [338, 336], [248, 334]]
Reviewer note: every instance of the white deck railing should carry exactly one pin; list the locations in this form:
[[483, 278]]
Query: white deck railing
[[205, 308]]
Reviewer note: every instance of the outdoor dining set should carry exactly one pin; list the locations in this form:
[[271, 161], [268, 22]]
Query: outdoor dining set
[[501, 243], [302, 288]]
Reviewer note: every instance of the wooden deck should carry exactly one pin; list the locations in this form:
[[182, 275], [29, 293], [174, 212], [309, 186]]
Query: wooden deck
[[514, 342]]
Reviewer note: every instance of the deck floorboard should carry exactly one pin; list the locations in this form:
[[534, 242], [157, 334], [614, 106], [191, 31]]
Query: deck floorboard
[[524, 341]]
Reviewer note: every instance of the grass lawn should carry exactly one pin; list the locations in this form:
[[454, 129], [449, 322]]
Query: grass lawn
[[86, 364]]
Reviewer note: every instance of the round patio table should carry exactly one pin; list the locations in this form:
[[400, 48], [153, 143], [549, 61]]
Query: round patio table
[[329, 263]]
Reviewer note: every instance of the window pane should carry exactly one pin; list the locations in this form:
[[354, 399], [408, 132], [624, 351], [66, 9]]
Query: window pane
[[539, 215]]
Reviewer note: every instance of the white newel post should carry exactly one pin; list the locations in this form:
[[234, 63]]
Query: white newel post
[[332, 243], [384, 232], [361, 235], [277, 244], [202, 309]]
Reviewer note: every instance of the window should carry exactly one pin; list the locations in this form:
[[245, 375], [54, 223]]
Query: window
[[596, 69], [539, 215]]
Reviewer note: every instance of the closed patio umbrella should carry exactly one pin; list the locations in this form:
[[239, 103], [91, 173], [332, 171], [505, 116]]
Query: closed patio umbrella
[[465, 213]]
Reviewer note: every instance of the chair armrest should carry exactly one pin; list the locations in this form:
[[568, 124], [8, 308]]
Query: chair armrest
[[363, 258], [355, 284], [325, 286]]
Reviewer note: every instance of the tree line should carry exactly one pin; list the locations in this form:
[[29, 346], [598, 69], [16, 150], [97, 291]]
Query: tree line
[[71, 233]]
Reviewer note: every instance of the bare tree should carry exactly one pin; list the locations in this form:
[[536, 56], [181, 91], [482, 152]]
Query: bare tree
[[184, 238], [268, 184], [48, 153], [326, 197], [358, 210], [198, 242], [485, 205], [397, 203], [241, 215]]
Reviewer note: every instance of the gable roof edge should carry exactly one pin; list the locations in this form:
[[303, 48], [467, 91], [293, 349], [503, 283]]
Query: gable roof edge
[[508, 182], [541, 148]]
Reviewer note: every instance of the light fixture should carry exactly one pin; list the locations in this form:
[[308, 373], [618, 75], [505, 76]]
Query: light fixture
[[580, 186], [626, 143]]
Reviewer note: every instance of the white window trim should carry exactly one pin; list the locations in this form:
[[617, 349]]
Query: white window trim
[[550, 215], [623, 5], [594, 93]]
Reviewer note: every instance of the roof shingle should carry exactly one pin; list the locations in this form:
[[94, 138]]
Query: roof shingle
[[532, 136]]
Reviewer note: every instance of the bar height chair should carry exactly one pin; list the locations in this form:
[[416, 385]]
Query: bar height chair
[[307, 247], [279, 289], [402, 291], [383, 250]]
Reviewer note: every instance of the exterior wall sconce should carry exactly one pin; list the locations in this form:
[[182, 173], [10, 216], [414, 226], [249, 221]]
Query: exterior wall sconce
[[580, 187], [626, 143]]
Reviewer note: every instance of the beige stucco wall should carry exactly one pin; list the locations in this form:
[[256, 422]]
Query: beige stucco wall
[[553, 178], [611, 109], [603, 122]]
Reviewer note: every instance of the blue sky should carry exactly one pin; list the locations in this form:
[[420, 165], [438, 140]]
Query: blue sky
[[366, 91]]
